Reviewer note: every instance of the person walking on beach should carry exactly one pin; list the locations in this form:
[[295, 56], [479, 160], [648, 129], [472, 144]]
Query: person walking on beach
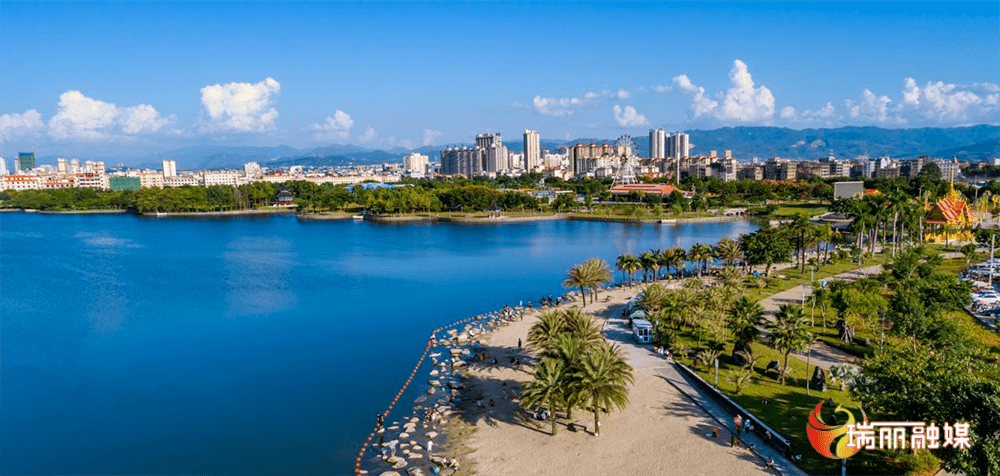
[[519, 343]]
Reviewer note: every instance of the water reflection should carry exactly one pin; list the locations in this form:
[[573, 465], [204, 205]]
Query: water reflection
[[257, 272]]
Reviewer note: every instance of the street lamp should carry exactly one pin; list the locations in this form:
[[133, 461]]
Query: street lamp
[[881, 315]]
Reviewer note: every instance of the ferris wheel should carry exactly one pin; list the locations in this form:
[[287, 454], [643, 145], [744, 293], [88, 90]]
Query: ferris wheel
[[625, 172]]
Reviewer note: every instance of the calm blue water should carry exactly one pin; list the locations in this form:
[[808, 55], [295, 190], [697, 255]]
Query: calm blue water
[[252, 345]]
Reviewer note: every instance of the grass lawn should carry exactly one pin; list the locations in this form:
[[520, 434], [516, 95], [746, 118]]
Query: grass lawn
[[789, 407], [792, 209]]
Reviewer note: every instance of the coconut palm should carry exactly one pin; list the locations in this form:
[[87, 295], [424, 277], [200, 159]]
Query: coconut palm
[[728, 251], [699, 256], [789, 331], [744, 318], [646, 259], [653, 297], [628, 264], [598, 273], [542, 334], [547, 387], [577, 277], [581, 327], [601, 381], [633, 265], [656, 258], [673, 257]]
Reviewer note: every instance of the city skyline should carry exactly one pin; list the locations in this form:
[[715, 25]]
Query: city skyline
[[134, 79]]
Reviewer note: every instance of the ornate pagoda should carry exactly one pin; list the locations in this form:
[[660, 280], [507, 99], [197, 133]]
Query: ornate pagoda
[[951, 217]]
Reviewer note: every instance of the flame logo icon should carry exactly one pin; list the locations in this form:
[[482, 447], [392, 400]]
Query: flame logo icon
[[830, 441]]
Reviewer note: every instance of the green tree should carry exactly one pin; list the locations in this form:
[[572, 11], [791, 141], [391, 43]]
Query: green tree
[[601, 381], [728, 251], [789, 331], [546, 387], [766, 246]]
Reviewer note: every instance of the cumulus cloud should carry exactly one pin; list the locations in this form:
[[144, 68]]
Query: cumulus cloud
[[430, 136], [240, 107], [556, 107], [369, 134], [663, 88], [629, 117], [951, 103], [334, 127], [82, 118], [701, 105], [743, 102], [20, 125], [871, 109], [787, 112]]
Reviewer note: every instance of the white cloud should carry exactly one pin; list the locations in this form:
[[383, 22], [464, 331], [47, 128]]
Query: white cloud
[[334, 127], [951, 103], [629, 117], [369, 134], [743, 102], [556, 107], [701, 105], [83, 118], [623, 94], [787, 112], [430, 136], [19, 125], [240, 107], [871, 109], [663, 88]]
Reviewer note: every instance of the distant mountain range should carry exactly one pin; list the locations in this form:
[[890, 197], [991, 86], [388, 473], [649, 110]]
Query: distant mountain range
[[967, 143]]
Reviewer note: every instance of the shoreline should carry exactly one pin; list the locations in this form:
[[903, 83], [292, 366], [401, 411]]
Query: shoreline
[[404, 219]]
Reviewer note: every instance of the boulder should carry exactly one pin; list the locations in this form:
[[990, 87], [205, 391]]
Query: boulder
[[773, 369], [818, 381]]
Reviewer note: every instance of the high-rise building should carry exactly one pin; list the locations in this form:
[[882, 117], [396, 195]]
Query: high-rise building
[[678, 145], [74, 166], [494, 152], [657, 144], [415, 162], [26, 160], [169, 168], [61, 166], [252, 170], [532, 149], [462, 160], [3, 166]]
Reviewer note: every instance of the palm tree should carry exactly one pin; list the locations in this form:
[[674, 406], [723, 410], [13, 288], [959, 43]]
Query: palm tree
[[740, 378], [653, 297], [789, 331], [656, 257], [699, 255], [633, 265], [598, 273], [581, 327], [676, 259], [577, 277], [728, 251], [602, 381], [542, 334], [744, 318], [628, 264], [547, 387], [799, 227], [646, 259]]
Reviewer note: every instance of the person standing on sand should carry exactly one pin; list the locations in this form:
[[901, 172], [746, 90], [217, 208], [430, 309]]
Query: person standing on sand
[[518, 342]]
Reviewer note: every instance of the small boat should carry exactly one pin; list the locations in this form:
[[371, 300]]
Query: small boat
[[358, 217]]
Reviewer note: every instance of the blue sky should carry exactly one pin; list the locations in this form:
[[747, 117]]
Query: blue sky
[[136, 78]]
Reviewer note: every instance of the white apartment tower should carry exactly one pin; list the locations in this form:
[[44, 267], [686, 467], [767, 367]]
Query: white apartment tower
[[532, 149], [494, 152], [415, 162], [61, 167], [3, 167], [657, 144], [678, 145], [169, 168]]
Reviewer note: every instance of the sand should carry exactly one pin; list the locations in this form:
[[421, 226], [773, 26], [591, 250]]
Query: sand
[[660, 431]]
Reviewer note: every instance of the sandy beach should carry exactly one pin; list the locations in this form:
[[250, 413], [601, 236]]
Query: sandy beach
[[660, 432]]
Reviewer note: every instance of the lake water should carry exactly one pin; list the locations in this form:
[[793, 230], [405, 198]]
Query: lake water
[[252, 345]]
